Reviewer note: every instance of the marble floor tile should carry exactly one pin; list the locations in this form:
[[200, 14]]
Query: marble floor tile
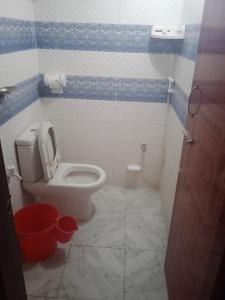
[[144, 200], [144, 271], [38, 298], [110, 199], [43, 278], [104, 229], [145, 232], [160, 294], [93, 273]]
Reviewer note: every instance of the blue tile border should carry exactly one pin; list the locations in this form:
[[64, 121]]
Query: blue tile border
[[189, 48], [179, 102], [25, 94], [102, 37], [16, 35], [111, 89], [95, 88]]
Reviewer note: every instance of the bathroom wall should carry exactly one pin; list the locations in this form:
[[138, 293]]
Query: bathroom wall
[[19, 68], [117, 80], [184, 65]]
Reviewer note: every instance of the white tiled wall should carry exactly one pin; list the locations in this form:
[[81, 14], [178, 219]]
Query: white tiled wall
[[22, 9], [15, 68], [193, 11], [109, 64], [18, 66], [183, 74], [172, 153], [107, 133], [110, 134], [143, 12]]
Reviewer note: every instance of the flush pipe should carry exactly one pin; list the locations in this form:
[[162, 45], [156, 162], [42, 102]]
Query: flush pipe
[[11, 172]]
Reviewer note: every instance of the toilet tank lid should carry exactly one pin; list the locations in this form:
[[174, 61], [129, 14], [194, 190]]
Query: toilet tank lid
[[29, 136]]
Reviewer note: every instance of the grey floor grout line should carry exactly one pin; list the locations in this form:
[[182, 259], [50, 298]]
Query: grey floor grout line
[[124, 266], [63, 271], [125, 230]]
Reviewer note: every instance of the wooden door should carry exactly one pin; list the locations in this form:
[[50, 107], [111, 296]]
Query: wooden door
[[12, 285], [197, 235]]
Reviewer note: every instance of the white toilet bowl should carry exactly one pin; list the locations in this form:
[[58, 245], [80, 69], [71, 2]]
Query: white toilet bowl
[[66, 185]]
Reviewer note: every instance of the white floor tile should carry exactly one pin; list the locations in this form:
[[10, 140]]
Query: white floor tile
[[160, 294], [144, 200], [144, 271], [104, 229], [94, 274], [110, 199], [145, 232], [43, 279]]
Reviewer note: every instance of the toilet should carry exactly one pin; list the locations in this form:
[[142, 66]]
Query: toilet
[[68, 186]]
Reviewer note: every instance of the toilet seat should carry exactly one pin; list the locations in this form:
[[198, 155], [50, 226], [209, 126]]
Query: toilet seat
[[67, 174], [48, 149]]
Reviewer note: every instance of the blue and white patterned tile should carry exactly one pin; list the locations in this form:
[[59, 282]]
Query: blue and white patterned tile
[[94, 274], [179, 102], [25, 93], [101, 37], [109, 88], [144, 201], [189, 48], [43, 279], [143, 90], [110, 199], [16, 35], [145, 232], [144, 274], [104, 229]]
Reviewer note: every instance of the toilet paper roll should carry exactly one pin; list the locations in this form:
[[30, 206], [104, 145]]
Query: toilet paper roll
[[55, 82]]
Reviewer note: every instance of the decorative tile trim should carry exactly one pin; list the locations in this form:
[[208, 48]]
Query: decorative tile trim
[[179, 102], [16, 35], [189, 48], [25, 94], [102, 37], [114, 89]]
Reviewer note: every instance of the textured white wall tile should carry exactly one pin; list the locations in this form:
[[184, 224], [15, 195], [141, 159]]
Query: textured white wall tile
[[104, 111], [22, 9], [173, 148], [18, 66], [8, 134], [110, 11], [193, 11], [93, 63], [183, 73], [52, 109], [110, 133], [140, 133]]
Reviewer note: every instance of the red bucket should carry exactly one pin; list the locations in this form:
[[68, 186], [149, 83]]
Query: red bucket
[[37, 227], [65, 228]]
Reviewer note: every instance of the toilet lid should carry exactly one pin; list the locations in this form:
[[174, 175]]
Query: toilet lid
[[48, 149]]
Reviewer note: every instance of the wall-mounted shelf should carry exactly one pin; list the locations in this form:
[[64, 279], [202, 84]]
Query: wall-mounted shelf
[[168, 32]]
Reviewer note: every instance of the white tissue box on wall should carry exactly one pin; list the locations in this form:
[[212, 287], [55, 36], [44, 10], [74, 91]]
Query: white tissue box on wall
[[168, 32]]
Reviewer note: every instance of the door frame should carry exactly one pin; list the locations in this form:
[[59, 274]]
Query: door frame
[[12, 285]]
